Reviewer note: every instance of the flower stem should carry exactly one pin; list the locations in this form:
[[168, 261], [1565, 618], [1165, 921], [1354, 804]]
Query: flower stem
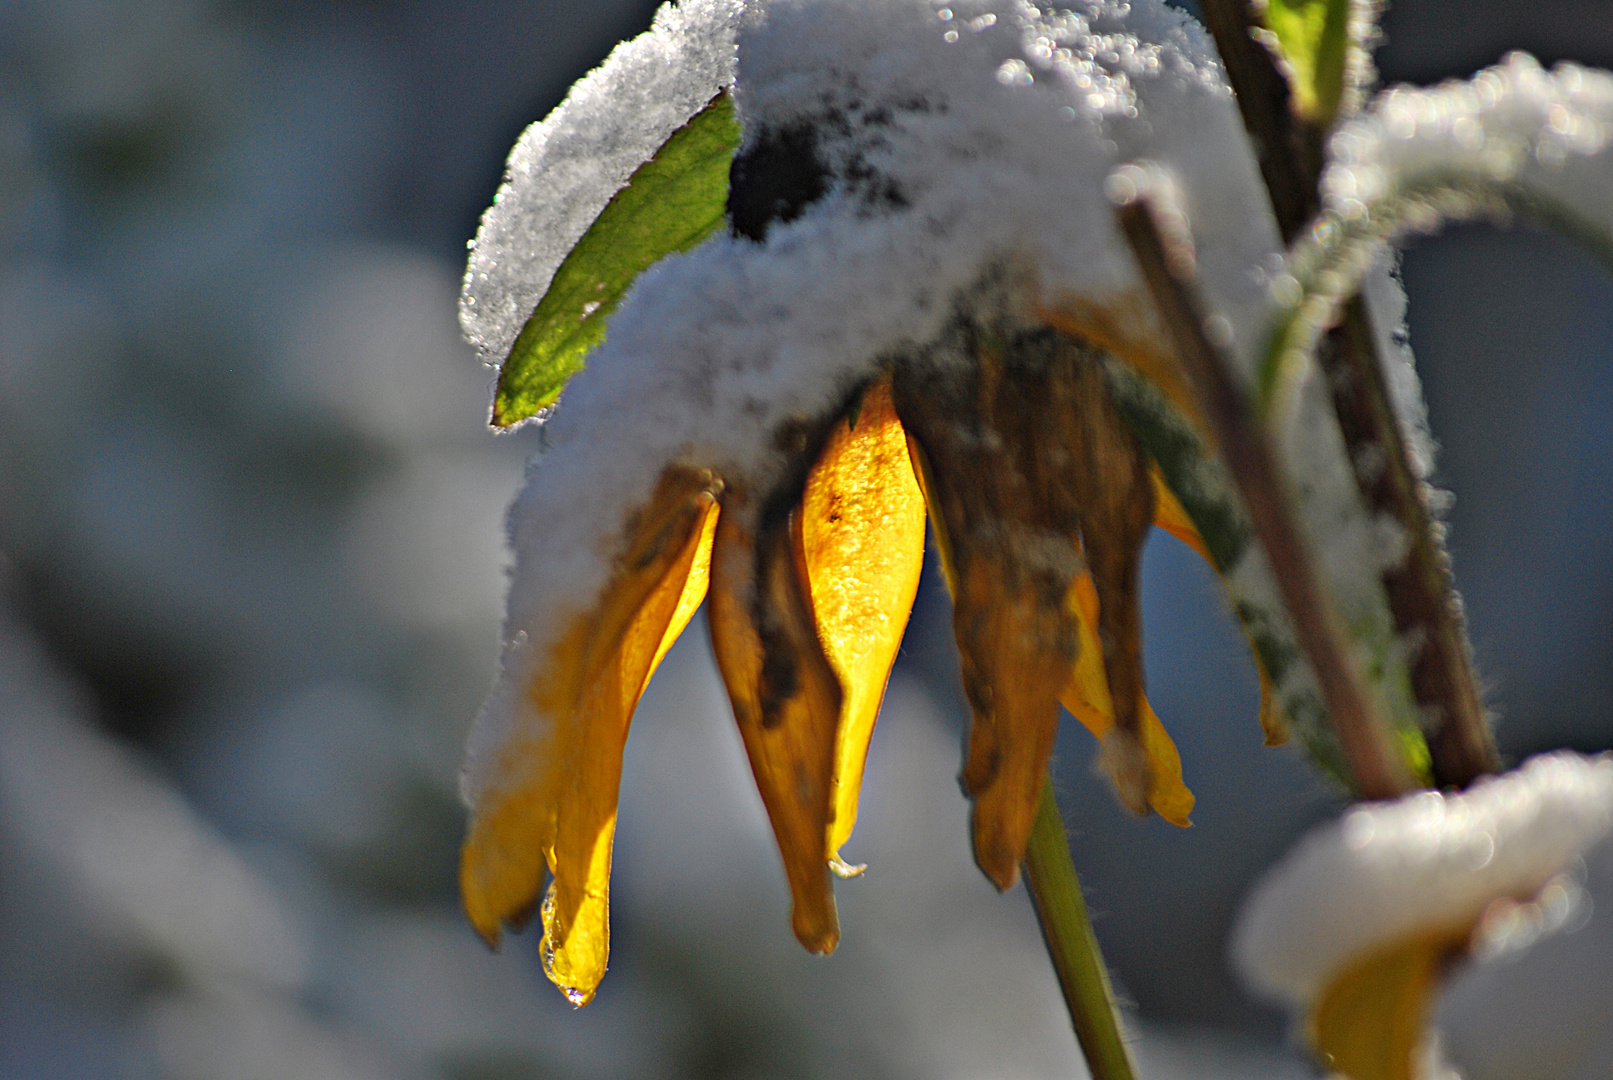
[[1422, 597], [1377, 769], [1067, 928], [1289, 148]]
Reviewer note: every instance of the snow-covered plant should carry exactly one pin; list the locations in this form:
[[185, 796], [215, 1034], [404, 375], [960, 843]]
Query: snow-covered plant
[[784, 279]]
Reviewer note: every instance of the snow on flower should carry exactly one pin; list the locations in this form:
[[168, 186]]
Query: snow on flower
[[1368, 911], [914, 308]]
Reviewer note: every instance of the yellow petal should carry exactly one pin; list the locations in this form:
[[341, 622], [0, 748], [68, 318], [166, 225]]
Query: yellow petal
[[562, 815], [861, 535], [786, 701], [1370, 1020], [1170, 515], [1087, 697]]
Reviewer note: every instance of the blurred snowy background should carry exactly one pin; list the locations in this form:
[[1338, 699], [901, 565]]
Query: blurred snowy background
[[251, 576]]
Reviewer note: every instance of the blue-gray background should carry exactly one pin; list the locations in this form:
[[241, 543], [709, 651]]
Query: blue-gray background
[[249, 551]]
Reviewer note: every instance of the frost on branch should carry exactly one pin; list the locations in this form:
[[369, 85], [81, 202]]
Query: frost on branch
[[1514, 139]]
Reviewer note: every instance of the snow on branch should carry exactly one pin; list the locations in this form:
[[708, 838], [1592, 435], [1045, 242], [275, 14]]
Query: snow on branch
[[1513, 140]]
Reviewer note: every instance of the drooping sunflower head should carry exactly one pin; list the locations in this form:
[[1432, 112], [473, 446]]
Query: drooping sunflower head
[[921, 303]]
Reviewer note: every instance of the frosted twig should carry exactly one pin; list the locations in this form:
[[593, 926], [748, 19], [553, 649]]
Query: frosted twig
[[1421, 593], [1513, 140], [1363, 738]]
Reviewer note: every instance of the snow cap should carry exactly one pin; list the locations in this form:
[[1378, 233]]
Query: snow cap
[[1429, 861]]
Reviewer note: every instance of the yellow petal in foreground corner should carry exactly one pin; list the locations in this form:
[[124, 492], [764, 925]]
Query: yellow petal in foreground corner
[[786, 700], [860, 531], [558, 790], [1371, 1020]]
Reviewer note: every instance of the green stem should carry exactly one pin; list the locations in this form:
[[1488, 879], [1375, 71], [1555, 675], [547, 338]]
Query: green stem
[[1067, 928]]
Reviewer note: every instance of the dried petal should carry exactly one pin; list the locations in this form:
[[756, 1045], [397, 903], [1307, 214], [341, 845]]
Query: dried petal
[[564, 808], [1088, 699], [993, 464], [786, 700], [861, 535], [1127, 328], [1110, 476]]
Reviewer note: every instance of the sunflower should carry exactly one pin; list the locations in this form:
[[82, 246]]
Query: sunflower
[[917, 313]]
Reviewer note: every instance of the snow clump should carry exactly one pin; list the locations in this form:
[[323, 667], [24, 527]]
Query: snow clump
[[1427, 862]]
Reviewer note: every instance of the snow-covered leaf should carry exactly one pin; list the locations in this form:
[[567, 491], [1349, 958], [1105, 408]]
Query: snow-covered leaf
[[1514, 140], [673, 202]]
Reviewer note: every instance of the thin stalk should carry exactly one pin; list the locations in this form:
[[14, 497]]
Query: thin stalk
[[1377, 768], [1056, 892], [1422, 596]]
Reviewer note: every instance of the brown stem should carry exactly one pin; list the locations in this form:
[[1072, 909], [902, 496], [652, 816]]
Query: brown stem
[[1422, 597], [1421, 594], [1378, 770]]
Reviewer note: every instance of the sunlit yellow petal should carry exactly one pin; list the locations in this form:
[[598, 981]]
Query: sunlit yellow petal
[[861, 531], [786, 700], [563, 818], [1087, 697], [1170, 515], [1372, 1018]]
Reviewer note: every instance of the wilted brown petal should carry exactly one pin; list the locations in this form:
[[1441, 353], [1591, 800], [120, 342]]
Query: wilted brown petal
[[1023, 457], [786, 701]]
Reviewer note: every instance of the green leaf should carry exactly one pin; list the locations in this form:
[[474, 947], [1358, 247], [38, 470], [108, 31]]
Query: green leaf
[[1312, 40], [671, 203]]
